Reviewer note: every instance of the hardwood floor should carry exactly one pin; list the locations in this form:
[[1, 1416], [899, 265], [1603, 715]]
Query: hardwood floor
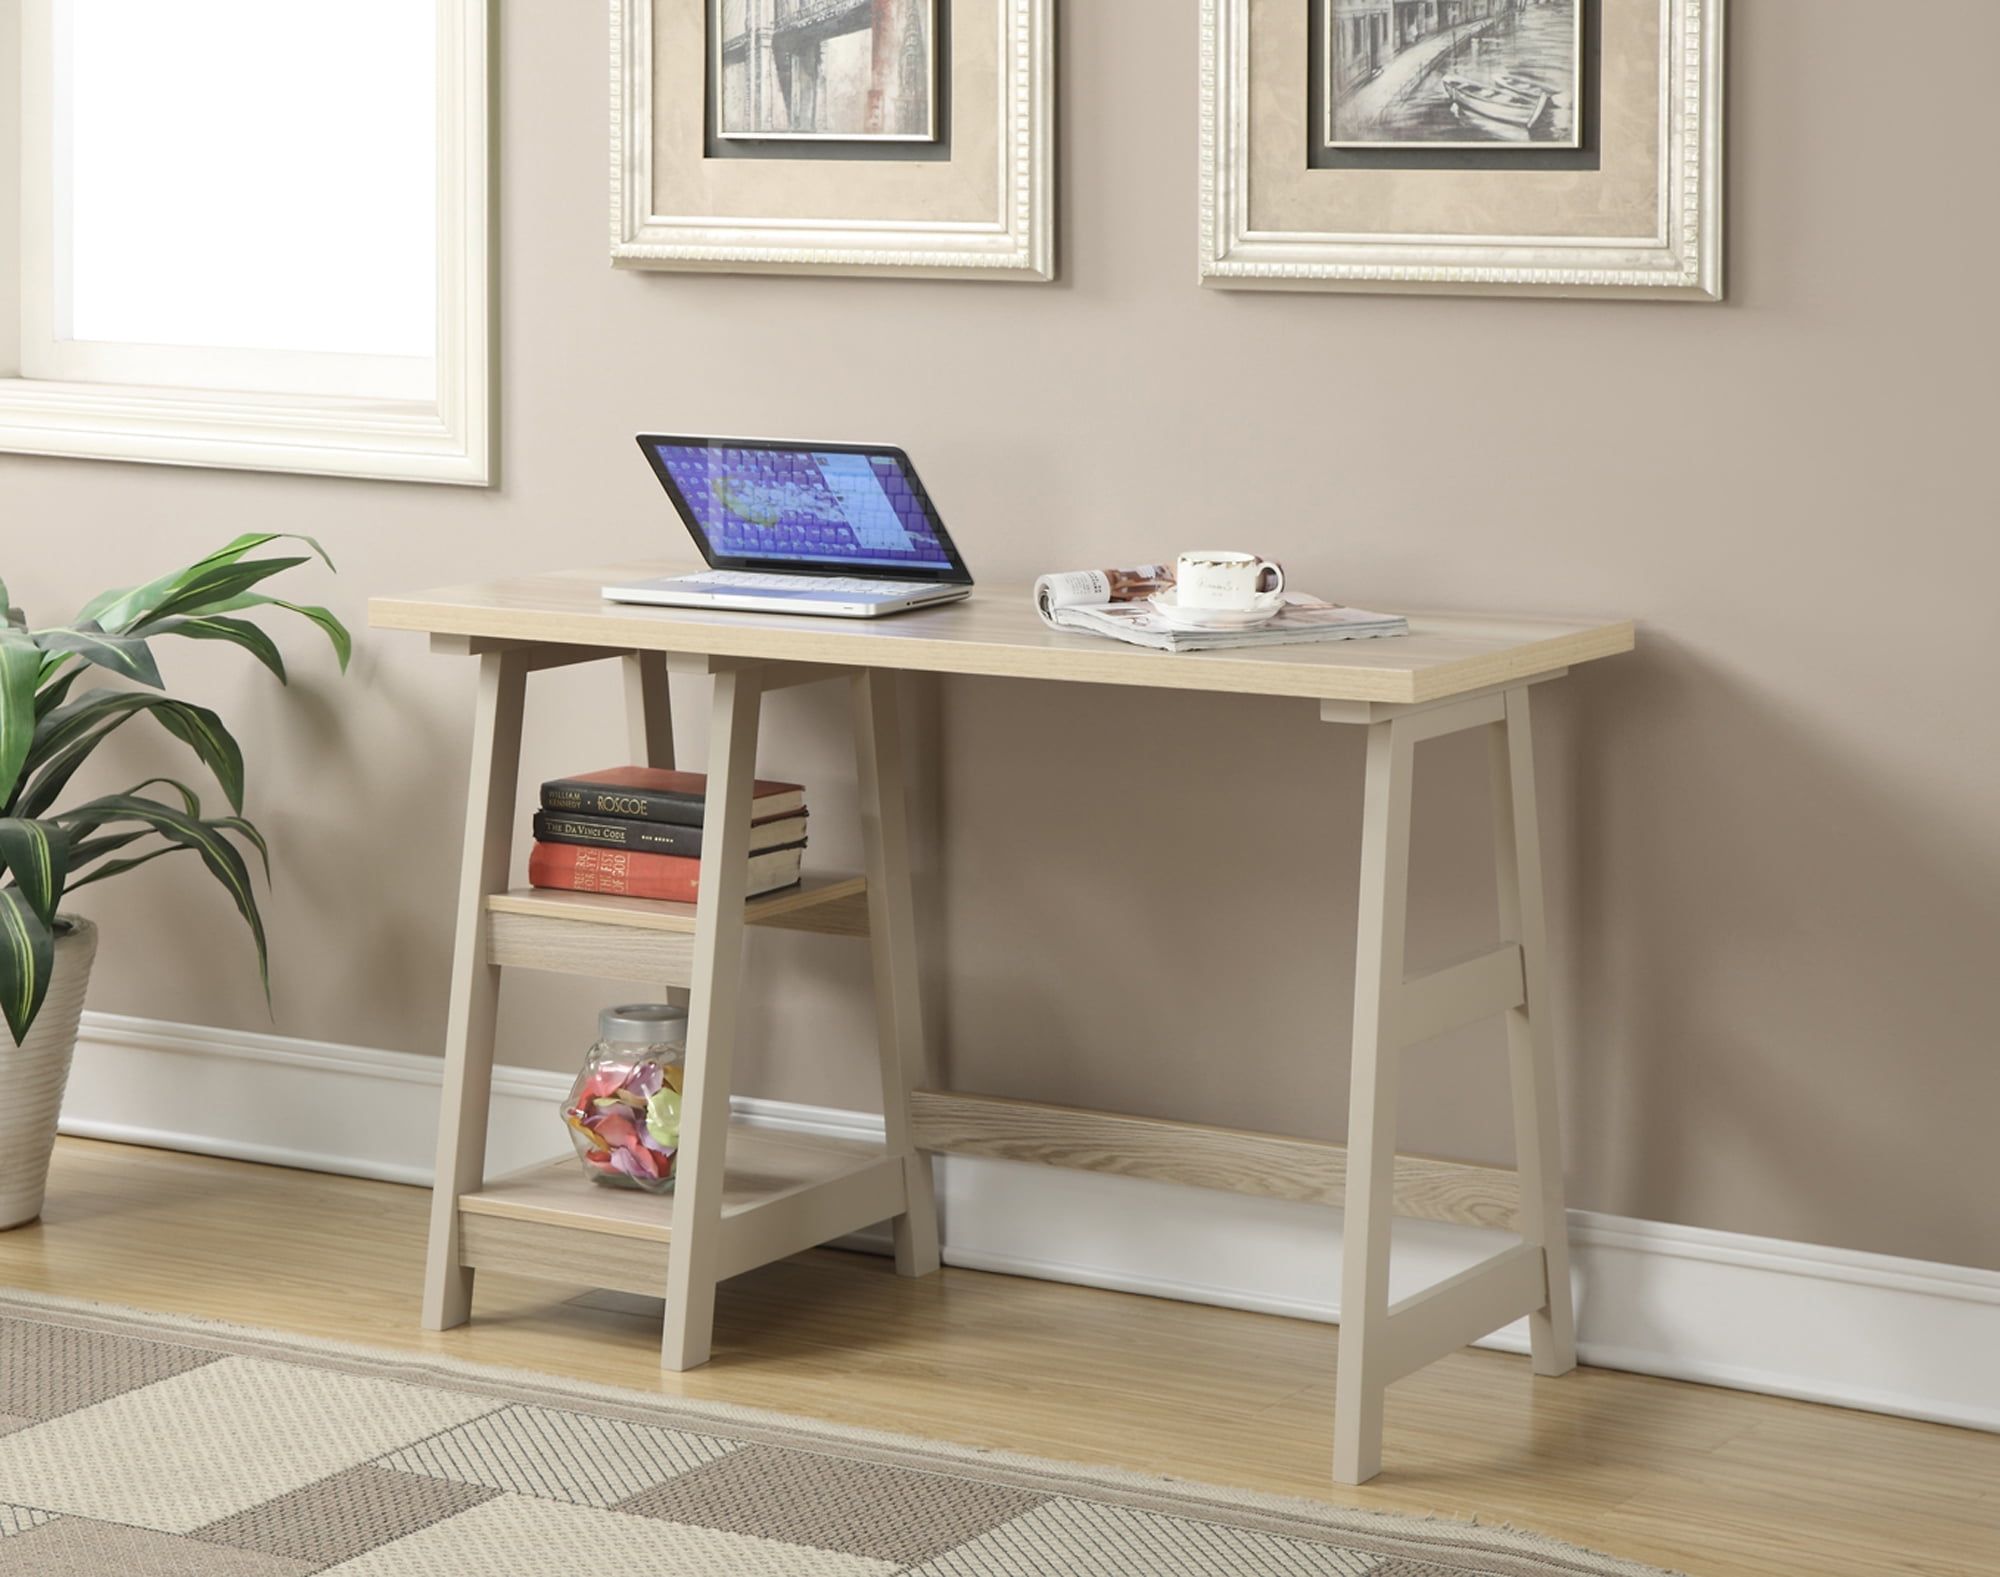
[[1702, 1480]]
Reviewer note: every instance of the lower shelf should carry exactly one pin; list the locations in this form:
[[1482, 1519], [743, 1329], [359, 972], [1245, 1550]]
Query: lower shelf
[[782, 1194]]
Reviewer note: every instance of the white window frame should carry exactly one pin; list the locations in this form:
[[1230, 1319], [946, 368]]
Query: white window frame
[[282, 410]]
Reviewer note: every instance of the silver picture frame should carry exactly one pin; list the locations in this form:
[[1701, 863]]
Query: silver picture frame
[[838, 216], [1478, 241]]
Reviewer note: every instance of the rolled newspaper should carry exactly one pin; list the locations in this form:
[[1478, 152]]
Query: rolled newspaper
[[1079, 588]]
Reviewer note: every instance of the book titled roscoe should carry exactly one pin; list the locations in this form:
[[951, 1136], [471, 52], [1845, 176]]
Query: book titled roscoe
[[656, 794], [655, 837]]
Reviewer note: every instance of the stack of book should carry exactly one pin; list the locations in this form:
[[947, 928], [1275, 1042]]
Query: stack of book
[[637, 832]]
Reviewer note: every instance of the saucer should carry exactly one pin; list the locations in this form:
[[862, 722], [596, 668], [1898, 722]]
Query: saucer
[[1268, 606]]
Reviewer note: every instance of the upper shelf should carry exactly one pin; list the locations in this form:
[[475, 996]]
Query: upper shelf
[[611, 938], [836, 905]]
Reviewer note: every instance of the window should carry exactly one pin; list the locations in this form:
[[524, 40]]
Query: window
[[247, 233]]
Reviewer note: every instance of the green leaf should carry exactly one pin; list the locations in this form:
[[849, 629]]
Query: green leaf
[[106, 602], [27, 958], [36, 854], [240, 632], [336, 632], [53, 693], [20, 668], [198, 593], [243, 829], [191, 587], [126, 606], [122, 654], [192, 801], [221, 857], [87, 851], [252, 540], [188, 796], [129, 863], [66, 737], [216, 746]]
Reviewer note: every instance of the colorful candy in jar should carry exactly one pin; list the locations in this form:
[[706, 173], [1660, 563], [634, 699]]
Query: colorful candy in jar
[[624, 1119]]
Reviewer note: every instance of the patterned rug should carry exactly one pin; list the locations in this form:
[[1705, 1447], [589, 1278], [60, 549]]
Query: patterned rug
[[147, 1446]]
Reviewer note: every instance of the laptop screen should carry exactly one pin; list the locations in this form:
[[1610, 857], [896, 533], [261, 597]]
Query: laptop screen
[[817, 508]]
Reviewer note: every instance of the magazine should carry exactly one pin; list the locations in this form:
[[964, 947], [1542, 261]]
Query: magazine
[[1114, 602]]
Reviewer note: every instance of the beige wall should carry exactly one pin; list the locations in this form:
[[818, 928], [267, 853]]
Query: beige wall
[[1776, 839]]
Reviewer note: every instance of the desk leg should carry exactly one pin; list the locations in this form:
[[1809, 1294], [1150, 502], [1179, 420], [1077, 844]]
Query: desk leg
[[1362, 1377], [1544, 1223], [718, 968], [892, 946], [649, 725], [475, 983], [649, 709]]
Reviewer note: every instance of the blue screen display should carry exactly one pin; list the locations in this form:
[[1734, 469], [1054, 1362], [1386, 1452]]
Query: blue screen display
[[812, 506]]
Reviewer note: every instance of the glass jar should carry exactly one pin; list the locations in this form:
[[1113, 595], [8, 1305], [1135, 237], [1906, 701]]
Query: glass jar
[[624, 1111]]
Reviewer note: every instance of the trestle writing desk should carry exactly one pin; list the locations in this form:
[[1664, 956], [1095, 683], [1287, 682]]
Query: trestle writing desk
[[745, 1197]]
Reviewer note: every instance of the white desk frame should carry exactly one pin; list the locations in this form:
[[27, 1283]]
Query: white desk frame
[[718, 1225]]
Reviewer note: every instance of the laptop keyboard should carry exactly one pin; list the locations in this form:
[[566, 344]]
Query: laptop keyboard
[[747, 580]]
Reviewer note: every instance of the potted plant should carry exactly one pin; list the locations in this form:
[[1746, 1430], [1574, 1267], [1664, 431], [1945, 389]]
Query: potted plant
[[48, 729]]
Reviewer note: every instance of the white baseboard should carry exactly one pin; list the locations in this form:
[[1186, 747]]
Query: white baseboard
[[1790, 1319]]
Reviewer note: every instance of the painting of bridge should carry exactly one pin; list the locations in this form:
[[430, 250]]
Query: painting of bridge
[[844, 70]]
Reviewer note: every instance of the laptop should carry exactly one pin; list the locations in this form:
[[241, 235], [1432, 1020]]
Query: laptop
[[844, 530]]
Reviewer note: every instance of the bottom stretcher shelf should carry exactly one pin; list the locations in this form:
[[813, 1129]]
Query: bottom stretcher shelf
[[782, 1193]]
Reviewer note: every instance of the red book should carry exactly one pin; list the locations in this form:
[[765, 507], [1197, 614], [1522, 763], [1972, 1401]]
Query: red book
[[633, 873]]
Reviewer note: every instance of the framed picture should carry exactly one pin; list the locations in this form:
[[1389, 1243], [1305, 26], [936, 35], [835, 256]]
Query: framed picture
[[826, 70], [1452, 73], [897, 137], [1521, 147]]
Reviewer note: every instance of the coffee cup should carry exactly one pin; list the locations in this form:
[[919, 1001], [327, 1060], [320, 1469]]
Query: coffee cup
[[1215, 579]]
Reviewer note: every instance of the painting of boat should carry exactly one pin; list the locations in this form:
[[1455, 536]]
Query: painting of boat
[[1519, 84], [1507, 106]]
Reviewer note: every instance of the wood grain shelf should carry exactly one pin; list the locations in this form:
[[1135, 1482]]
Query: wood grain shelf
[[782, 1193], [616, 938]]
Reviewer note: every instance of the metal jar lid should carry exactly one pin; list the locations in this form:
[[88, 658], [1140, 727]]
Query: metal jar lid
[[643, 1024]]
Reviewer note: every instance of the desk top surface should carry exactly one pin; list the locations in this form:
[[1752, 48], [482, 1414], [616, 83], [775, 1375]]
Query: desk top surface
[[997, 632]]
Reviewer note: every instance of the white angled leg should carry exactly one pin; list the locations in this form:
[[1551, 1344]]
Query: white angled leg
[[475, 983], [718, 967], [1363, 1374], [649, 709], [892, 945], [1530, 1047], [649, 725]]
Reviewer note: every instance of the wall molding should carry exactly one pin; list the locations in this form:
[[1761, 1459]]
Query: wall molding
[[1819, 1324]]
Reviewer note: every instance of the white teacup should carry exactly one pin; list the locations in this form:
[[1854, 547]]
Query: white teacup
[[1215, 579]]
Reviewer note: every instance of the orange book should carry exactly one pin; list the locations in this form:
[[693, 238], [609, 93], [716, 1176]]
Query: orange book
[[633, 873]]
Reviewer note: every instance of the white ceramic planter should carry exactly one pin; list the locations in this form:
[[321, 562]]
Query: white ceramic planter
[[32, 1076]]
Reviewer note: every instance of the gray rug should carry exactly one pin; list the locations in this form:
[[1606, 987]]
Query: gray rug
[[154, 1447]]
